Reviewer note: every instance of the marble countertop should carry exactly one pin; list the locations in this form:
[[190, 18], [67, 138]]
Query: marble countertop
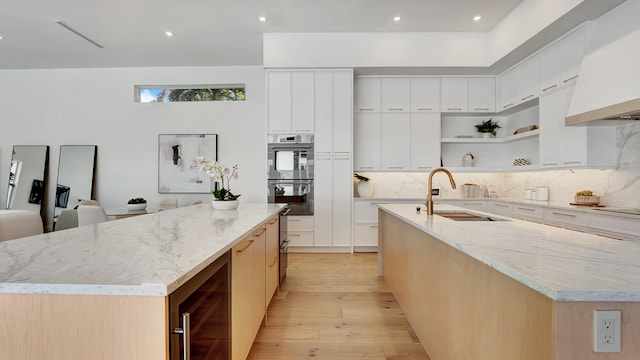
[[147, 255], [562, 264]]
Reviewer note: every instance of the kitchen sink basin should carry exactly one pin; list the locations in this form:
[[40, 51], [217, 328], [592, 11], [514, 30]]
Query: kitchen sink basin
[[464, 216]]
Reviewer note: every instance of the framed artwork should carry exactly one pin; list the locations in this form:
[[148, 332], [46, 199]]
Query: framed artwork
[[175, 153]]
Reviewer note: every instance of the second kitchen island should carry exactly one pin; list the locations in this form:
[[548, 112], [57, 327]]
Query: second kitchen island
[[511, 289], [103, 291]]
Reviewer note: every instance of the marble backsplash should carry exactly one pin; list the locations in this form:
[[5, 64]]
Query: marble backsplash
[[618, 187]]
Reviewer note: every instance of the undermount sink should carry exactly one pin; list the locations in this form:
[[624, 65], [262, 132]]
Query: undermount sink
[[464, 216]]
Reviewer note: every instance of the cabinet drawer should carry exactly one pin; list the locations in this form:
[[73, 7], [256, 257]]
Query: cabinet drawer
[[300, 238], [528, 212], [365, 211], [300, 223], [564, 217], [500, 208], [615, 224], [365, 234]]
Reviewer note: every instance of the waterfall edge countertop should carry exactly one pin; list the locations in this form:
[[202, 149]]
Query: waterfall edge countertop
[[148, 255], [564, 265]]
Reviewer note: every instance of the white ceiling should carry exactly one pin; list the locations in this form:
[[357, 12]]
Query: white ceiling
[[207, 32]]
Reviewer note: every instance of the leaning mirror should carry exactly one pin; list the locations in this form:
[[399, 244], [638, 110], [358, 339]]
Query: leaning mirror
[[76, 167], [28, 177]]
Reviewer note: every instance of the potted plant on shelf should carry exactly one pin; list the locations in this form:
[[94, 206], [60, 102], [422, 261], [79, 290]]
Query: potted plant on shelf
[[224, 198], [364, 186], [137, 204], [487, 128]]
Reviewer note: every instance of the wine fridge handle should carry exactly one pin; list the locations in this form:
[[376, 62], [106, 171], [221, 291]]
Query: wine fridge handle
[[185, 331]]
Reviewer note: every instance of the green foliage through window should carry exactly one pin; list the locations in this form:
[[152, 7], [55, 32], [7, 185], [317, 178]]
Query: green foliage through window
[[161, 94]]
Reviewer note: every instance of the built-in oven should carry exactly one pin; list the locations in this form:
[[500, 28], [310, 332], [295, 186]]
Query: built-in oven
[[290, 172]]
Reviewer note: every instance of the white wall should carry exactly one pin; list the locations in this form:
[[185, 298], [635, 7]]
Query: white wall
[[95, 106]]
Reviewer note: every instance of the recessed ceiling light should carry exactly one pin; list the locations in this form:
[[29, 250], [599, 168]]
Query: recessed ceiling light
[[262, 19], [1, 37], [396, 18], [477, 18], [168, 33]]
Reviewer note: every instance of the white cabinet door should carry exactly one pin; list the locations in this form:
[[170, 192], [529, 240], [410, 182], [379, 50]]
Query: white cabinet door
[[323, 89], [367, 94], [365, 234], [550, 133], [550, 67], [394, 94], [395, 135], [529, 79], [302, 102], [342, 195], [279, 102], [500, 208], [342, 112], [425, 141], [574, 138], [508, 90], [482, 94], [366, 127], [573, 47], [453, 95], [425, 95], [323, 201]]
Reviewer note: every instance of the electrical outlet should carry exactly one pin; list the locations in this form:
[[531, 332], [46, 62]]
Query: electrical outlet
[[435, 192], [606, 330]]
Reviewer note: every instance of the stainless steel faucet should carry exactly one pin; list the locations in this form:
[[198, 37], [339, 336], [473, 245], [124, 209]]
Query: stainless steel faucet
[[429, 202]]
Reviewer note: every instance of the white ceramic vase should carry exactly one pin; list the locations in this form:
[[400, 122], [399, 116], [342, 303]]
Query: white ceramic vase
[[486, 135], [225, 205], [365, 188]]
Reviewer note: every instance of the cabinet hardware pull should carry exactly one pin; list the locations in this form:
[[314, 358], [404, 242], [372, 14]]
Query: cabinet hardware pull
[[294, 220], [260, 233], [549, 87], [508, 105], [503, 205], [571, 162], [273, 221], [569, 79], [373, 226], [454, 109], [366, 167], [549, 164], [280, 131], [395, 167], [482, 109], [249, 243], [608, 236], [528, 209], [275, 260], [395, 109], [343, 152], [303, 130], [563, 214], [366, 109], [425, 109], [293, 235], [527, 97], [425, 167], [185, 332]]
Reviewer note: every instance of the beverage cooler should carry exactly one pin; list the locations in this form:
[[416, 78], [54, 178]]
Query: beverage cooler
[[200, 315]]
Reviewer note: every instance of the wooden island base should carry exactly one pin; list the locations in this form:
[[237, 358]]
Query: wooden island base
[[461, 308]]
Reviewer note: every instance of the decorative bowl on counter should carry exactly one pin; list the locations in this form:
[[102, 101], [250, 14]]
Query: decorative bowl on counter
[[140, 206]]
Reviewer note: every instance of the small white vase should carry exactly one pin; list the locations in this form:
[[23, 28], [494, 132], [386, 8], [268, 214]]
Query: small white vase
[[225, 205], [365, 188], [486, 135]]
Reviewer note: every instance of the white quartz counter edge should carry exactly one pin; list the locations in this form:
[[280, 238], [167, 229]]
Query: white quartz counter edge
[[564, 265], [148, 255]]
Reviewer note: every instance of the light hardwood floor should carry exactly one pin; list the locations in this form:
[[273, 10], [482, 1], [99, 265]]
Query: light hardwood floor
[[334, 306]]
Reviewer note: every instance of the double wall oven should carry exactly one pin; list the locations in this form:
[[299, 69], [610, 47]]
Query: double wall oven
[[290, 164]]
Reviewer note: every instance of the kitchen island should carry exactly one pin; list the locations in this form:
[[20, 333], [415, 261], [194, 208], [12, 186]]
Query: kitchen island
[[102, 291], [507, 289]]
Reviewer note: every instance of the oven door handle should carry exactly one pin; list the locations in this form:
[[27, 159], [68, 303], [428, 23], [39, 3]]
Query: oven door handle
[[291, 182], [293, 147], [285, 212]]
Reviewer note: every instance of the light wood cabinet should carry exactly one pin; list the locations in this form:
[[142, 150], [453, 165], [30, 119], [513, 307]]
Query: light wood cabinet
[[272, 257], [425, 95], [290, 102], [482, 94], [425, 141], [395, 131], [394, 94], [242, 299], [454, 95], [367, 94], [258, 277]]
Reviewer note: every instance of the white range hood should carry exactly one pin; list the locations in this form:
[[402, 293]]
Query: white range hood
[[608, 89]]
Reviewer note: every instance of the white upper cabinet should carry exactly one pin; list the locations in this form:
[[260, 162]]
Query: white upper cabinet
[[425, 95], [425, 141], [550, 68], [333, 112], [395, 132], [394, 94], [366, 141], [560, 62], [290, 102], [482, 94], [324, 112], [507, 90], [453, 95], [367, 94], [529, 79]]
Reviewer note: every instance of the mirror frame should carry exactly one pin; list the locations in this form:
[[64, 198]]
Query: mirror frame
[[41, 185], [92, 182]]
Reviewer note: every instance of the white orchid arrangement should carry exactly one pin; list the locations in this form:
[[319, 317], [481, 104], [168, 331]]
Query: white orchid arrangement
[[220, 173]]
